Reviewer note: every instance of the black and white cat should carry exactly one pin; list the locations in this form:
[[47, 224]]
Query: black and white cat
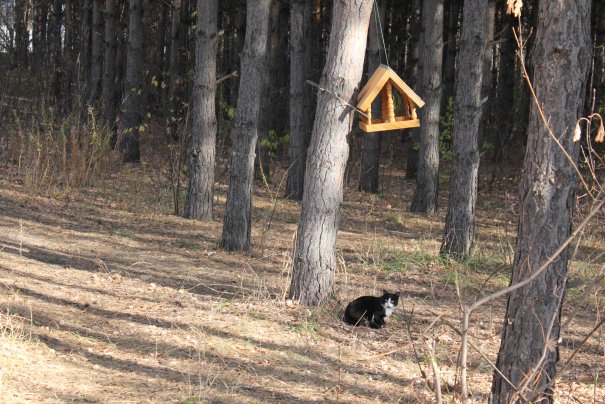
[[372, 309]]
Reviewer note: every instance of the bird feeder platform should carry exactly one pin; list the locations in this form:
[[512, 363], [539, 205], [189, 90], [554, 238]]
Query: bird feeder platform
[[384, 81]]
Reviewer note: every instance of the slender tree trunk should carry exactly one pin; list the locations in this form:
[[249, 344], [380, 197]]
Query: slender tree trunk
[[109, 65], [427, 181], [460, 221], [370, 142], [488, 84], [547, 197], [83, 43], [22, 30], [203, 132], [451, 48], [413, 78], [300, 127], [237, 222], [314, 261], [132, 103], [96, 52]]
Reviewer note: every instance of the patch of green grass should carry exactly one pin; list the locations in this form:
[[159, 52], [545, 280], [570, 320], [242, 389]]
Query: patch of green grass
[[398, 260], [308, 326]]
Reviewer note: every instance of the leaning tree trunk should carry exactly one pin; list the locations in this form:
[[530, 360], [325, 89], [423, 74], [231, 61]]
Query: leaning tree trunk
[[237, 222], [314, 261], [198, 204], [300, 127], [427, 180], [460, 221], [370, 142], [547, 197], [132, 104]]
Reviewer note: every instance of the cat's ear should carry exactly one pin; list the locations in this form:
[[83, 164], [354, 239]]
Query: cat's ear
[[397, 294], [384, 292]]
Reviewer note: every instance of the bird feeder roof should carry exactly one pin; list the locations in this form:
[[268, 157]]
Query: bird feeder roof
[[378, 80]]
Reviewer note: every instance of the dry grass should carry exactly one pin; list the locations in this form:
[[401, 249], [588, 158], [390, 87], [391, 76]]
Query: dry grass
[[108, 297]]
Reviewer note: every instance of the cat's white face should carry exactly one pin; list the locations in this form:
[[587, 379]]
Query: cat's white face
[[389, 306]]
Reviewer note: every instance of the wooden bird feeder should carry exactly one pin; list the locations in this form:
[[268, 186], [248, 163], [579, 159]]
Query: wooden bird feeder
[[383, 81]]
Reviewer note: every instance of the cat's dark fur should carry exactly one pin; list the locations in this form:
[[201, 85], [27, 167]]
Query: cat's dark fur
[[371, 309]]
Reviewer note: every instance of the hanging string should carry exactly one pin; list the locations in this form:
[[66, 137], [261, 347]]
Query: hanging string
[[378, 26]]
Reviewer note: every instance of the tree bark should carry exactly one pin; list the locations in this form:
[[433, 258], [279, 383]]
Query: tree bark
[[96, 53], [547, 197], [370, 142], [109, 65], [314, 261], [459, 229], [198, 204], [173, 62], [237, 222], [132, 103], [427, 180], [412, 77], [22, 10], [451, 48], [39, 38], [599, 56], [300, 121]]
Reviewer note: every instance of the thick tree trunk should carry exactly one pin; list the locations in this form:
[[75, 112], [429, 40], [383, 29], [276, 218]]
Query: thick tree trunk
[[109, 65], [132, 103], [237, 222], [314, 261], [460, 221], [300, 122], [370, 142], [203, 132], [427, 181], [413, 78], [547, 197]]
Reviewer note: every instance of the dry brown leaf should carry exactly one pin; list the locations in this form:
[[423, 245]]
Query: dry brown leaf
[[600, 133], [577, 133], [514, 7]]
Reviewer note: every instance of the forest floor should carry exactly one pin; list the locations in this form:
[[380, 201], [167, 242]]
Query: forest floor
[[106, 296]]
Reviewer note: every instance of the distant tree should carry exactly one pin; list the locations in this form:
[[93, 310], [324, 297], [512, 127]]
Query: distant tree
[[427, 180], [314, 261], [174, 79], [132, 103], [198, 204], [370, 142], [55, 50], [599, 54], [22, 14], [39, 37], [237, 221], [460, 220], [68, 53], [300, 119], [546, 199]]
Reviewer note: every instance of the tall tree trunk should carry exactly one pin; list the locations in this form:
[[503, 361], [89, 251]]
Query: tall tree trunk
[[22, 10], [84, 45], [451, 48], [96, 53], [504, 90], [132, 103], [547, 195], [370, 142], [314, 261], [237, 222], [109, 65], [39, 38], [173, 61], [198, 204], [54, 39], [427, 181], [68, 55], [599, 56], [460, 221], [413, 78], [300, 126], [487, 85]]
